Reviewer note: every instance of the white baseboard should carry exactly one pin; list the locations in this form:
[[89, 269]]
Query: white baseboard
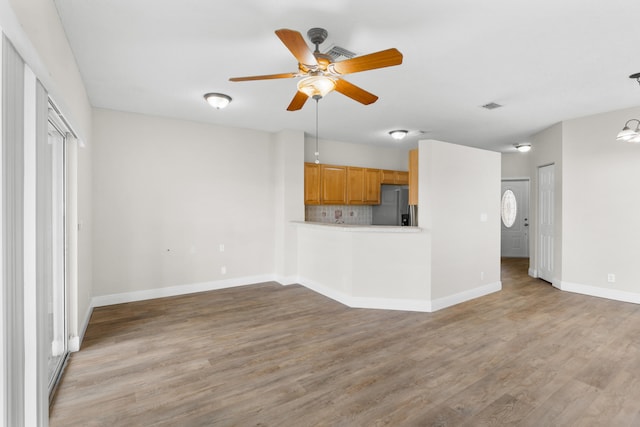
[[400, 303], [286, 280], [533, 273], [460, 297], [75, 341], [366, 302], [596, 291], [170, 291]]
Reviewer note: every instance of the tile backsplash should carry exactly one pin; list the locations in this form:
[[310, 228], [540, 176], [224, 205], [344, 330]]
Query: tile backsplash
[[339, 214]]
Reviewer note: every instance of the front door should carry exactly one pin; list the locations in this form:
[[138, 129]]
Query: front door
[[515, 218]]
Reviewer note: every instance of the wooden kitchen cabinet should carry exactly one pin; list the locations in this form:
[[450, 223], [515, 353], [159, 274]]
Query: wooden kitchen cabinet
[[402, 177], [363, 186], [413, 177], [394, 177], [371, 187], [333, 185], [355, 186], [312, 184], [341, 185]]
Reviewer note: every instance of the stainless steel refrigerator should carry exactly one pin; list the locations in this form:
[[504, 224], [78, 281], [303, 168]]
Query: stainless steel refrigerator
[[394, 203]]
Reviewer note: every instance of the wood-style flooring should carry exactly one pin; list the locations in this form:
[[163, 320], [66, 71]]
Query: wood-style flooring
[[268, 355]]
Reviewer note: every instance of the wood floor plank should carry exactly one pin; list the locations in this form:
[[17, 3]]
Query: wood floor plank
[[268, 355]]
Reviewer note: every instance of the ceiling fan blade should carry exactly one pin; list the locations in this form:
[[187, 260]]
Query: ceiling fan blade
[[298, 101], [384, 58], [354, 92], [265, 77], [294, 41]]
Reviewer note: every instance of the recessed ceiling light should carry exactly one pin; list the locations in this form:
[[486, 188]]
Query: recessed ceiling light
[[217, 100]]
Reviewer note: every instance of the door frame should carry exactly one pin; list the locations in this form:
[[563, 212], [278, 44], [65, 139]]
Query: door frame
[[528, 217], [542, 235]]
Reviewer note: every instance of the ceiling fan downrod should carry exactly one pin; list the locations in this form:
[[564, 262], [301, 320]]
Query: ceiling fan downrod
[[317, 37]]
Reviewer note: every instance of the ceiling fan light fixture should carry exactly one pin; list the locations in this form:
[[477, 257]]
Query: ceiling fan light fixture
[[217, 100], [523, 147], [314, 86], [398, 134]]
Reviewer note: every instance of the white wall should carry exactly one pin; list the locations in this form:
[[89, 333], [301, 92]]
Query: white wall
[[288, 200], [42, 43], [459, 200], [366, 267], [516, 165], [350, 154], [601, 206], [546, 150], [167, 193]]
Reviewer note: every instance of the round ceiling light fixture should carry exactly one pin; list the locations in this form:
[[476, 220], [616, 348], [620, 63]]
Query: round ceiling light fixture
[[523, 147], [217, 100], [398, 134]]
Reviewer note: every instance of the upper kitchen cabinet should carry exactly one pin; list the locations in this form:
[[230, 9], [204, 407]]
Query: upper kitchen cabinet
[[333, 184], [402, 177], [355, 186], [363, 186], [312, 184], [413, 177], [394, 177], [371, 187]]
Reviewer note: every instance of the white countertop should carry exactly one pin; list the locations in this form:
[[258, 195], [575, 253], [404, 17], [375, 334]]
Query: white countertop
[[360, 228]]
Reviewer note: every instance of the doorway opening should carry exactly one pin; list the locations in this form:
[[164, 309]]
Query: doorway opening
[[514, 212]]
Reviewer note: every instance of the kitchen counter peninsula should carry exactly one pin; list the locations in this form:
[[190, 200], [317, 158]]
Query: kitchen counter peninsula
[[358, 228], [369, 266]]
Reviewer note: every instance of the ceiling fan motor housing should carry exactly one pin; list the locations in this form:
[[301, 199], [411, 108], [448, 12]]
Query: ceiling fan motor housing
[[317, 35]]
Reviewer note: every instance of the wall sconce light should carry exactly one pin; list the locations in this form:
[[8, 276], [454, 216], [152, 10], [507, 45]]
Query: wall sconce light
[[217, 100], [628, 134], [398, 134], [523, 147]]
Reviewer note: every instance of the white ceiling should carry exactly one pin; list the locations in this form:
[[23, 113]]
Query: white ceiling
[[545, 61]]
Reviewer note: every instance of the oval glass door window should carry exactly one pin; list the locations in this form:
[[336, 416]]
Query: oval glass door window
[[508, 208]]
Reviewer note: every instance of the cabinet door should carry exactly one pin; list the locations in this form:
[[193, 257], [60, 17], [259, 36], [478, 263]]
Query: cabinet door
[[334, 185], [413, 177], [387, 176], [311, 184], [355, 186], [402, 178], [372, 186]]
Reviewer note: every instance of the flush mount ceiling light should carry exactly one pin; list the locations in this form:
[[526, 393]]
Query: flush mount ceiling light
[[316, 86], [523, 147], [628, 133], [398, 134], [217, 100]]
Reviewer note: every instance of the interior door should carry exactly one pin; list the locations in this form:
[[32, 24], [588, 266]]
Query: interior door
[[546, 190], [515, 218]]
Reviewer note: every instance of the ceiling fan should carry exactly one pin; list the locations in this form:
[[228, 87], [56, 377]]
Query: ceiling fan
[[321, 73]]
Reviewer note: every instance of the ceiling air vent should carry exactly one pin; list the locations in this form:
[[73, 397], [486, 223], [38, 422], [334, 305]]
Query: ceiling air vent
[[491, 106], [340, 53]]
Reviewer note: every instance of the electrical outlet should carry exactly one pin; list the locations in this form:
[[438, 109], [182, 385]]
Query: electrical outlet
[[611, 278], [482, 275], [221, 247], [223, 270]]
